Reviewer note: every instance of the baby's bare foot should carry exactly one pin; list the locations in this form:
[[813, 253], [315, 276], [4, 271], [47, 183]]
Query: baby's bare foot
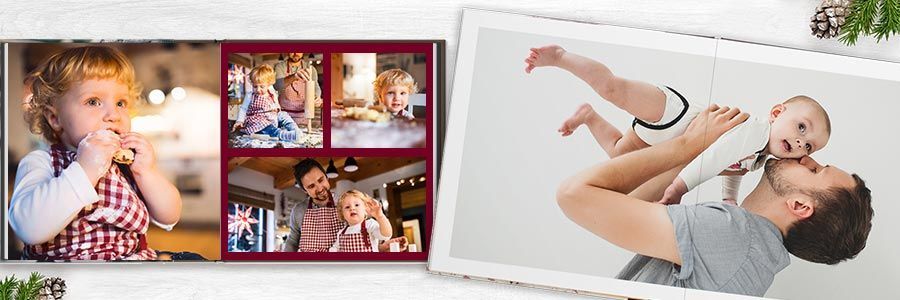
[[579, 117]]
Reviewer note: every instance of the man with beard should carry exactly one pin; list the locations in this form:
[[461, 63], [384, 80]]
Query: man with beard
[[818, 213], [314, 225]]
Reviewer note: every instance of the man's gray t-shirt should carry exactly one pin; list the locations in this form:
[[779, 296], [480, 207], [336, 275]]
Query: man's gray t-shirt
[[723, 248]]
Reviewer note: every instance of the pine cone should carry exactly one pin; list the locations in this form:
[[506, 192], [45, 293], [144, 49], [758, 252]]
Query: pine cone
[[54, 288], [829, 17]]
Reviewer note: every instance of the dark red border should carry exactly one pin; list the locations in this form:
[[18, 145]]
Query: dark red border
[[327, 48]]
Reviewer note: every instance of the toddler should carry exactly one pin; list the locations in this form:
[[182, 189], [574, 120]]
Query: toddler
[[392, 90], [72, 202], [260, 112], [795, 128], [360, 234]]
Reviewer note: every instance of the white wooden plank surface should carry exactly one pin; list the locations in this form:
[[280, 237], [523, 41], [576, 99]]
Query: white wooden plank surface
[[782, 23]]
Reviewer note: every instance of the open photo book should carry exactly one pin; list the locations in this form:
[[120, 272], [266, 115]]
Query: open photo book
[[586, 158]]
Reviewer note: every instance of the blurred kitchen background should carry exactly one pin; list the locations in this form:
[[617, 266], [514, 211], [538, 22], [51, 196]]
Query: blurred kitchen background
[[181, 117], [265, 186]]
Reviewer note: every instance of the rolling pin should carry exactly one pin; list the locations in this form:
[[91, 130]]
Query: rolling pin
[[310, 109]]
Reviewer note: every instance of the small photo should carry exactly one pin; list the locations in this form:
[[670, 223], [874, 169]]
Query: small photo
[[379, 100], [327, 204], [274, 100]]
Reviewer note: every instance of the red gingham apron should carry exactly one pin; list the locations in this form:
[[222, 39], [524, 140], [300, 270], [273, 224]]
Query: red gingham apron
[[355, 242], [293, 97], [113, 228], [319, 228], [263, 111]]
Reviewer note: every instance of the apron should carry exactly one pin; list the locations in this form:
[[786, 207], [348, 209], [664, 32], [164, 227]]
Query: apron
[[319, 228], [293, 98], [263, 111], [113, 228], [355, 242]]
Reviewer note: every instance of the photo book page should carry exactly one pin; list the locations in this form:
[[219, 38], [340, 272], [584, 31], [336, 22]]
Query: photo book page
[[585, 158]]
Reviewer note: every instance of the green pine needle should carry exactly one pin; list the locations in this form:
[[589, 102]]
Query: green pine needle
[[889, 23], [880, 18], [28, 290], [7, 287]]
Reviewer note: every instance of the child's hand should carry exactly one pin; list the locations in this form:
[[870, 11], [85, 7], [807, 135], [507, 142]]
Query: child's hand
[[237, 126], [144, 155], [373, 208], [674, 192], [544, 56], [318, 101], [95, 153]]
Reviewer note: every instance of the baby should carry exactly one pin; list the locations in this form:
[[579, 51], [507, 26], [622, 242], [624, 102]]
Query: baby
[[260, 112], [795, 128], [392, 89], [361, 234], [72, 202]]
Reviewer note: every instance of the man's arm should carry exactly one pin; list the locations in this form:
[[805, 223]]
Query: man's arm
[[293, 241], [597, 199]]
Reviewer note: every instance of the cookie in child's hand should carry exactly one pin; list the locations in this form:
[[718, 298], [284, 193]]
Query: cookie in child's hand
[[124, 156]]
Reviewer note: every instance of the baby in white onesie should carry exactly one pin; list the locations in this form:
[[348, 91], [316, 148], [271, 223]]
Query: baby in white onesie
[[795, 128], [360, 234]]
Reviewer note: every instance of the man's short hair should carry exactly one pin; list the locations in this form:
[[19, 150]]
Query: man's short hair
[[303, 167], [838, 228]]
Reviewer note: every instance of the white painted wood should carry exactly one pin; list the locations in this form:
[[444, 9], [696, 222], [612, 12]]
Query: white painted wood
[[782, 23]]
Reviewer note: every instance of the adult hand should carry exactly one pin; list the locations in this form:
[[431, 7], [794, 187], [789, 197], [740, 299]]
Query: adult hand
[[303, 74], [386, 246], [713, 122], [674, 192]]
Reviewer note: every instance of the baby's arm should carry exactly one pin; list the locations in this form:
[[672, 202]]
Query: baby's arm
[[242, 113], [594, 73], [733, 146], [42, 205], [162, 198], [337, 245], [373, 208]]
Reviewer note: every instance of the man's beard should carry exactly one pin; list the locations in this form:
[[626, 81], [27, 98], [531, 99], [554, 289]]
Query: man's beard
[[772, 172]]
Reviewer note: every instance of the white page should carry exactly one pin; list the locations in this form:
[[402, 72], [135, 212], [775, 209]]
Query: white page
[[497, 215]]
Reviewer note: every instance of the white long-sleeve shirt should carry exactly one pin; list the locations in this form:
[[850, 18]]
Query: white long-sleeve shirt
[[43, 205], [742, 144]]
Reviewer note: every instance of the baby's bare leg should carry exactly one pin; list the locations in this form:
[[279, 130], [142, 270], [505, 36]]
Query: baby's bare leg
[[640, 99], [608, 136]]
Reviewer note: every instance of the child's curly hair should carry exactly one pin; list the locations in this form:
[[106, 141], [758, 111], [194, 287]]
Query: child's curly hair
[[55, 76], [351, 193], [262, 74], [393, 77]]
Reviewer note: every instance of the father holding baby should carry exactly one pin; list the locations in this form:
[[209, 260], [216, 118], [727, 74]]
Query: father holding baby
[[817, 213], [314, 226]]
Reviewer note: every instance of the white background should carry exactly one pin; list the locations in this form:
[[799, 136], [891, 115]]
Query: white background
[[783, 23]]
